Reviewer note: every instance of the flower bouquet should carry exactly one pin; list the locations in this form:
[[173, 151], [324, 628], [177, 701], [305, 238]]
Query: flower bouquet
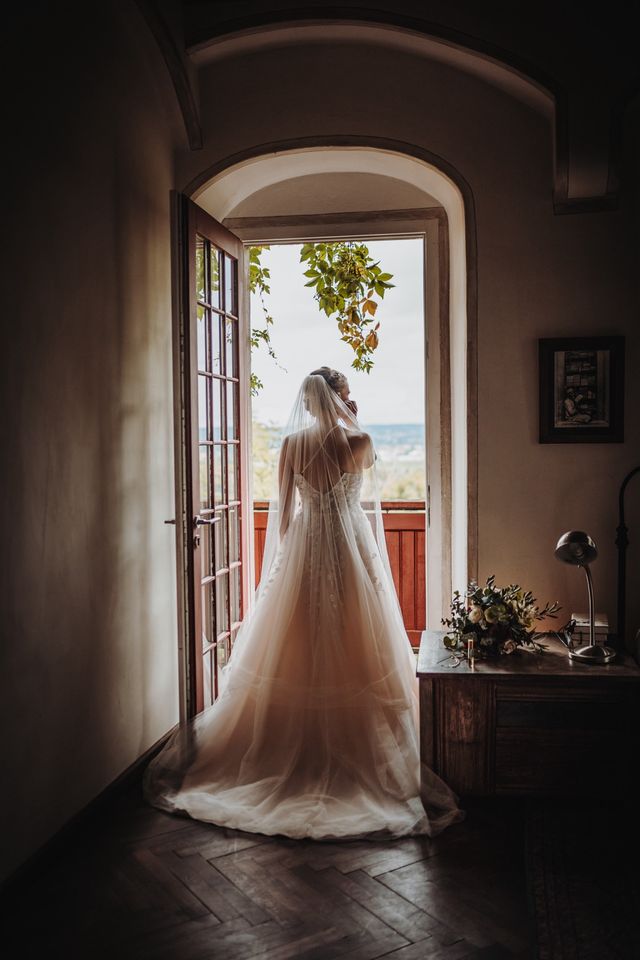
[[492, 620]]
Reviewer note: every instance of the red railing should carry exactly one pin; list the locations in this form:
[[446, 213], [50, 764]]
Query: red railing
[[404, 528]]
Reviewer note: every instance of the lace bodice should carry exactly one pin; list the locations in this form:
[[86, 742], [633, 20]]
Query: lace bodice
[[350, 483]]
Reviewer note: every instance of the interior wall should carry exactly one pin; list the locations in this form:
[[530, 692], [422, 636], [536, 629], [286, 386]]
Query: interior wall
[[89, 658], [539, 275], [631, 197], [89, 650]]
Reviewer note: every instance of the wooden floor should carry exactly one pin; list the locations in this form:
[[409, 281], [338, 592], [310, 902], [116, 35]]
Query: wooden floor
[[137, 883]]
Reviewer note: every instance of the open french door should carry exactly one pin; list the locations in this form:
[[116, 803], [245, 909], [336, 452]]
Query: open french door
[[215, 444]]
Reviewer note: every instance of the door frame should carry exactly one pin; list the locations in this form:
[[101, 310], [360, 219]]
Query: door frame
[[181, 440], [462, 321], [183, 253], [431, 224]]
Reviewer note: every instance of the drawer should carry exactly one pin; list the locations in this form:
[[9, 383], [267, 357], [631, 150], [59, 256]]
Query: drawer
[[564, 762], [565, 714]]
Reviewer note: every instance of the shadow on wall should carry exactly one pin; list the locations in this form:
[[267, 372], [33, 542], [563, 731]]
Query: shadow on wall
[[90, 654]]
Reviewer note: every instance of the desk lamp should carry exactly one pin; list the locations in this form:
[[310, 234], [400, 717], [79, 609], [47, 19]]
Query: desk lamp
[[578, 548]]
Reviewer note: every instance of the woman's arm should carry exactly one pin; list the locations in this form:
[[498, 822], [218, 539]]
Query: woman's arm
[[363, 451]]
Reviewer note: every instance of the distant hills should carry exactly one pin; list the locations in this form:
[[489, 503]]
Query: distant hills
[[395, 434], [400, 448], [398, 441]]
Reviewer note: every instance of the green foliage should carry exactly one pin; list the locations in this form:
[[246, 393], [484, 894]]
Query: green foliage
[[265, 444], [347, 282], [497, 619], [259, 277], [398, 480]]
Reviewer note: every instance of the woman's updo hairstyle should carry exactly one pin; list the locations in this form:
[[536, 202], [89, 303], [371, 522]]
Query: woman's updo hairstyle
[[334, 378]]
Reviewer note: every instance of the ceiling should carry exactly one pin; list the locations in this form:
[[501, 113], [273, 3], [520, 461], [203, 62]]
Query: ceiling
[[580, 66]]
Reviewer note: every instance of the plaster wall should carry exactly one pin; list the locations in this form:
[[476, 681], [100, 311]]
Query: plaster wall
[[539, 274], [331, 193], [89, 650]]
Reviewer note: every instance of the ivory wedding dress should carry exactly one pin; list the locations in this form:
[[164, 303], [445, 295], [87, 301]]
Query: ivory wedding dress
[[315, 730]]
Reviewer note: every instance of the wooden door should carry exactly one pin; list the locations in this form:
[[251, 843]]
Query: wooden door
[[216, 403]]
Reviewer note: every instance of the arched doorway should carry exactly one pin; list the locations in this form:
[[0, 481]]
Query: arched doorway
[[233, 192]]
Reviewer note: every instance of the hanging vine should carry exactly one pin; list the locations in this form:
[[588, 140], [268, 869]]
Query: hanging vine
[[259, 277], [347, 280], [348, 285]]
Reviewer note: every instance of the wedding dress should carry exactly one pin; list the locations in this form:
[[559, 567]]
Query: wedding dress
[[315, 729]]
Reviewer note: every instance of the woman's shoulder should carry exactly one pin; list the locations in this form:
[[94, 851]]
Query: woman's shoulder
[[359, 438], [296, 442], [362, 450], [296, 436]]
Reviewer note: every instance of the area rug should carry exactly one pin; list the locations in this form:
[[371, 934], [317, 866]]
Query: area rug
[[583, 876]]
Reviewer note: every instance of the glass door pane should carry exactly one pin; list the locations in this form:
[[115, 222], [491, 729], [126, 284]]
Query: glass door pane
[[215, 429]]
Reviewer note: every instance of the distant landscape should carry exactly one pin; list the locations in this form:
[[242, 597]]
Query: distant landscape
[[401, 459]]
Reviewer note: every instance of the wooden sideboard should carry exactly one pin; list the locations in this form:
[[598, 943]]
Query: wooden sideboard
[[528, 723]]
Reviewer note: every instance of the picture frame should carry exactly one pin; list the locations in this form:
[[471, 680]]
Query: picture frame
[[581, 389]]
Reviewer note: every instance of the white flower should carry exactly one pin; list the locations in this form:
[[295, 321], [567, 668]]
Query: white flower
[[475, 614], [509, 646], [527, 616]]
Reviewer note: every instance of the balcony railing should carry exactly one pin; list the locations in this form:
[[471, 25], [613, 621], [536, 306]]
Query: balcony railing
[[404, 528]]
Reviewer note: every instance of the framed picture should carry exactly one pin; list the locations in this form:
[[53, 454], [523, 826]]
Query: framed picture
[[581, 390]]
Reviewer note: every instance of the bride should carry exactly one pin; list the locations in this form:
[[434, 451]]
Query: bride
[[315, 729]]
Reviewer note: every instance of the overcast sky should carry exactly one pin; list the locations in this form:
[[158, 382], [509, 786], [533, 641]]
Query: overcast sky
[[303, 338]]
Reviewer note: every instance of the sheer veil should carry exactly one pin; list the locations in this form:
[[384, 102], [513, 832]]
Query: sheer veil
[[314, 732], [322, 442]]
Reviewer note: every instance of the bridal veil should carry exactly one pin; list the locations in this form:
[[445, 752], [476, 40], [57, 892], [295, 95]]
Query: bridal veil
[[315, 729]]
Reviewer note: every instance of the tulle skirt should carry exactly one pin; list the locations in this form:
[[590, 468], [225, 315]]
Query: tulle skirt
[[315, 729]]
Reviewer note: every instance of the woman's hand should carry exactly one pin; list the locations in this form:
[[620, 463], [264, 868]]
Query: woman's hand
[[353, 406]]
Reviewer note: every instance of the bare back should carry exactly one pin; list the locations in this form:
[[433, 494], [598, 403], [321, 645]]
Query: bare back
[[326, 442], [323, 460]]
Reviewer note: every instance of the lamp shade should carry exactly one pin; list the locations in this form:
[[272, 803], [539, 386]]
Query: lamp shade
[[576, 547]]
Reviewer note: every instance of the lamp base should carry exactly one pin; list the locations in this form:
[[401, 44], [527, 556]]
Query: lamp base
[[596, 653]]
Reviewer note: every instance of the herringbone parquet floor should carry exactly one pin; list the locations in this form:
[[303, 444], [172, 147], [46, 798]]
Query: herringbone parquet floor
[[136, 883]]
